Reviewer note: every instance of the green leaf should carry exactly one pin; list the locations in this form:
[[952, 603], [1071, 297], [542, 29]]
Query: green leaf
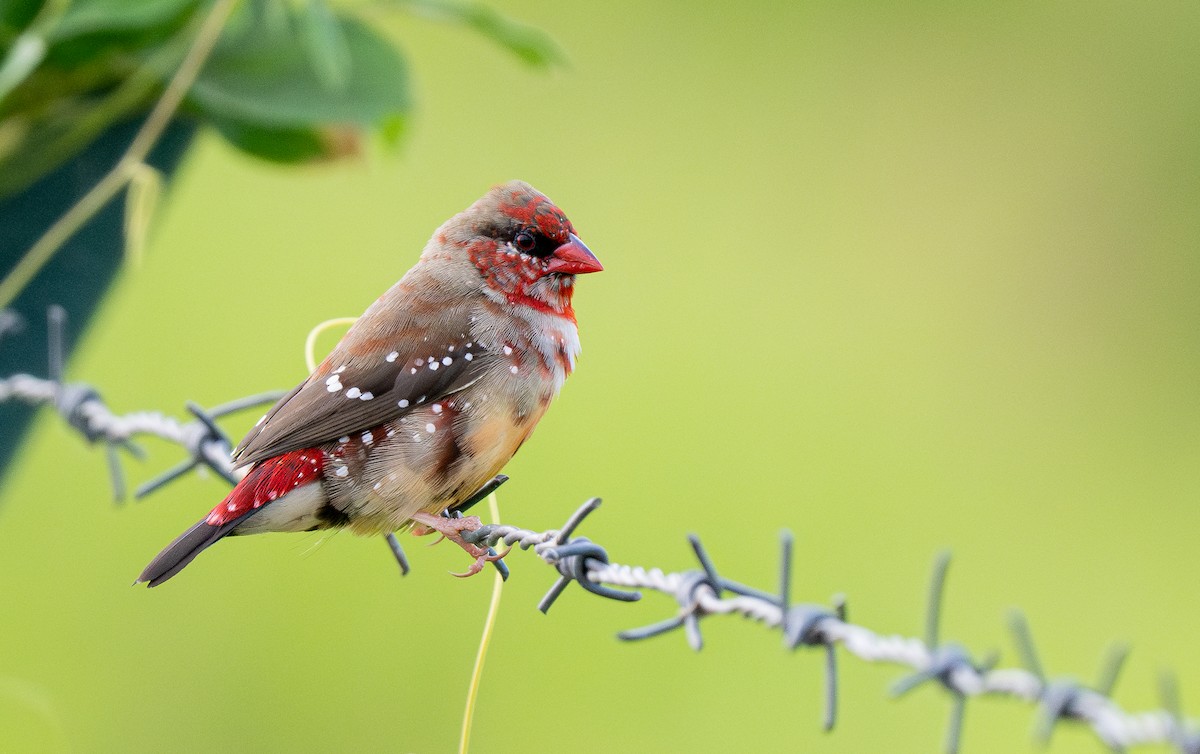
[[259, 74], [95, 16], [25, 50], [328, 52], [15, 15], [527, 42], [23, 57], [286, 145]]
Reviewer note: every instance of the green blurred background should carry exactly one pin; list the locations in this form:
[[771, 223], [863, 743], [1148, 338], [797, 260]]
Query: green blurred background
[[894, 276]]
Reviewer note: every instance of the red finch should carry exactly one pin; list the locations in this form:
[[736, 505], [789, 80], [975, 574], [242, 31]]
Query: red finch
[[426, 397]]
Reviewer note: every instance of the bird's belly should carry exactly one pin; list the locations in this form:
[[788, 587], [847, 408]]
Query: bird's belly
[[432, 461]]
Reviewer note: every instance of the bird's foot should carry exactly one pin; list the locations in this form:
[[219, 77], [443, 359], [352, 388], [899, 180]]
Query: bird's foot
[[452, 529]]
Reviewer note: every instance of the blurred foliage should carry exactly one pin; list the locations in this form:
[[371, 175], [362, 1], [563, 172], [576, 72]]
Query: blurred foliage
[[288, 81]]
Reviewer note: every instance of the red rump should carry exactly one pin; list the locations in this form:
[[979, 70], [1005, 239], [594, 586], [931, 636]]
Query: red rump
[[267, 481]]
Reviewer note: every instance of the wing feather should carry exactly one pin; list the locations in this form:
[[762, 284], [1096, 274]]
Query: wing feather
[[369, 379]]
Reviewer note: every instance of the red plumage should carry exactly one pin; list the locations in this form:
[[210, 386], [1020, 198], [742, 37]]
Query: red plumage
[[268, 481]]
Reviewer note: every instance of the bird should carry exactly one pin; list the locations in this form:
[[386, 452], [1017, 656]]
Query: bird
[[426, 397]]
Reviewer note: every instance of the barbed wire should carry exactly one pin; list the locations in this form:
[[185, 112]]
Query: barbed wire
[[81, 406], [703, 592], [699, 593]]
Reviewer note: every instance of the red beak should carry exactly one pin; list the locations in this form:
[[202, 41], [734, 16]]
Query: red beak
[[573, 258]]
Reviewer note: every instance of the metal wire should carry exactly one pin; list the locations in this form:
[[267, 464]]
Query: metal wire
[[703, 593], [84, 410], [699, 594]]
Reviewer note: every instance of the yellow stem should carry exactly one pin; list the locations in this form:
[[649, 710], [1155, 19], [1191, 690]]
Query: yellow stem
[[310, 343], [489, 625], [99, 195]]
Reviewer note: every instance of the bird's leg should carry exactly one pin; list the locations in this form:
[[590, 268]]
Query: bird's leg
[[480, 495], [451, 529], [492, 485]]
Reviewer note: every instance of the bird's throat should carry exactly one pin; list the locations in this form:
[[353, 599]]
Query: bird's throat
[[550, 294]]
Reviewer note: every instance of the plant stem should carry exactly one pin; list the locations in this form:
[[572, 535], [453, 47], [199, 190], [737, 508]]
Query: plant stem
[[116, 179], [489, 625]]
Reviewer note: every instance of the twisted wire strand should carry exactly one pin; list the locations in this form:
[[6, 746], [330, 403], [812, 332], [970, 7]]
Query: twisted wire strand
[[83, 409], [699, 595]]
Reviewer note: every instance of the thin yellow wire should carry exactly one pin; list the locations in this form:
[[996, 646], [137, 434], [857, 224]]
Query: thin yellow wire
[[489, 625]]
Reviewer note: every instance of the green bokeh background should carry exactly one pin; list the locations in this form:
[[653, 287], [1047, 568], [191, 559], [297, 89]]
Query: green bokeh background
[[896, 277]]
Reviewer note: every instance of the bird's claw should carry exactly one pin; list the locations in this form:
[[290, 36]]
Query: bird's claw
[[477, 566], [451, 529]]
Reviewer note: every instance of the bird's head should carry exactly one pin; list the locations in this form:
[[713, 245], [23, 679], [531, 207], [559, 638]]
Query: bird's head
[[522, 246]]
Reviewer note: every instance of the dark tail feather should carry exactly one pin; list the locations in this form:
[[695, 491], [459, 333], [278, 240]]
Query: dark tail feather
[[181, 552]]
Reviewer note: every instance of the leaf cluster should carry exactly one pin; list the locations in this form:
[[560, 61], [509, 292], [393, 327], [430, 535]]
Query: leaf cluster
[[289, 80]]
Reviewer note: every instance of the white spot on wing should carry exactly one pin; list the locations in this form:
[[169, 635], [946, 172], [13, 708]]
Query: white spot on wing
[[430, 428], [392, 356], [402, 403], [342, 471], [353, 392]]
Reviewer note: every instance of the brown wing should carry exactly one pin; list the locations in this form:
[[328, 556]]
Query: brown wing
[[350, 392]]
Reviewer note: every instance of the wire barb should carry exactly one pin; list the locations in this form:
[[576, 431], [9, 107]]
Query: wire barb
[[398, 552], [947, 664], [801, 625], [1066, 698], [10, 323], [1183, 736]]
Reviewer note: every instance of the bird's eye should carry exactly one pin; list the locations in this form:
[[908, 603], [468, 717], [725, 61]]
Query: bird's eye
[[525, 241]]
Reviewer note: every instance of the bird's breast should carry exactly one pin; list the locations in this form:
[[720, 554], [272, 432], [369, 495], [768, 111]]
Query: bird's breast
[[434, 457]]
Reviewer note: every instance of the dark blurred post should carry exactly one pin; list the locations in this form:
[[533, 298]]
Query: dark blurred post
[[78, 275]]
